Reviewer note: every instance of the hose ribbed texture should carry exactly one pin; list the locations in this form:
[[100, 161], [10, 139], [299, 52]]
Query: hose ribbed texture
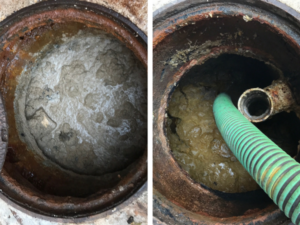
[[275, 171]]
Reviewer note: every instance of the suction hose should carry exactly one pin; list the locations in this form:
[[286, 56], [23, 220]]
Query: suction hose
[[275, 171]]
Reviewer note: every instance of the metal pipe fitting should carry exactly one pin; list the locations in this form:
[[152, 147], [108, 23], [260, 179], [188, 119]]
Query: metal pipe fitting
[[257, 104]]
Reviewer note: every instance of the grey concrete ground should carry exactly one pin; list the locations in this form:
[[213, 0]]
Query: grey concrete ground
[[136, 206]]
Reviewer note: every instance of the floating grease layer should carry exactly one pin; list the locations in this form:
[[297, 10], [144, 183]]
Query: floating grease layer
[[83, 104], [193, 135], [199, 147]]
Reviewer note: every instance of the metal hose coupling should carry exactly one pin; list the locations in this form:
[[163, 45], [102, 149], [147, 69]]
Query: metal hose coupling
[[275, 171]]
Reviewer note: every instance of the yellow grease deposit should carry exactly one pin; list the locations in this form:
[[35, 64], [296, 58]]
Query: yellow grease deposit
[[197, 144]]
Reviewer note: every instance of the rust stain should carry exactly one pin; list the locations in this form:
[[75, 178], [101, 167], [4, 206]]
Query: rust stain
[[281, 96], [275, 94], [159, 35]]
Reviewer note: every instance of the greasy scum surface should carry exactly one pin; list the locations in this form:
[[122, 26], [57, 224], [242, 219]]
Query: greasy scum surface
[[83, 105], [198, 145]]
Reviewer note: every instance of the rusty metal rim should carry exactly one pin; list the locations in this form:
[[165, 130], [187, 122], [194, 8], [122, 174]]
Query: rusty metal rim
[[170, 213], [24, 12], [167, 28], [274, 6], [168, 92], [137, 176], [163, 26], [92, 218], [173, 206]]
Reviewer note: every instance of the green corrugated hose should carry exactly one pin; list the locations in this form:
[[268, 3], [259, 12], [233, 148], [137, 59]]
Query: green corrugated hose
[[277, 173]]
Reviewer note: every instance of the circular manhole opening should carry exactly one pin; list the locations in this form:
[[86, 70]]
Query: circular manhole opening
[[194, 138], [200, 51], [74, 87]]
